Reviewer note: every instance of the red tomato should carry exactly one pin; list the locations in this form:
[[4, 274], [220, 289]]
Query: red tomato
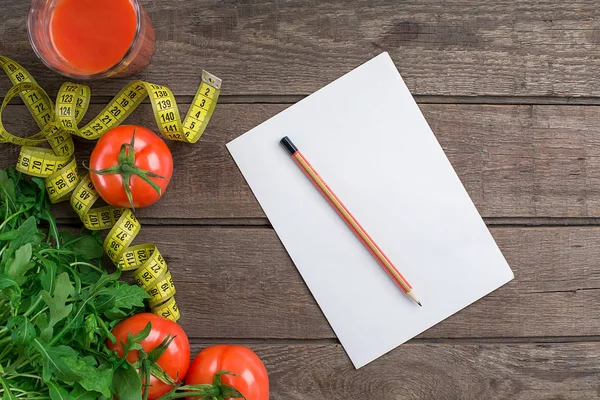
[[151, 155], [175, 361], [252, 382]]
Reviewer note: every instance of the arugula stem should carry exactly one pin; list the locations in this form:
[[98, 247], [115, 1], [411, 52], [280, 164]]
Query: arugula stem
[[92, 266], [14, 389], [9, 200], [28, 394], [8, 389], [24, 393], [43, 310], [24, 375], [5, 351], [70, 242], [33, 306], [57, 251], [35, 398], [22, 361], [11, 217], [53, 229], [4, 248], [105, 328], [6, 204], [94, 352], [22, 396]]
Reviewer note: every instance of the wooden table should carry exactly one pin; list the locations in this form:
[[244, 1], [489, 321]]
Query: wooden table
[[512, 92]]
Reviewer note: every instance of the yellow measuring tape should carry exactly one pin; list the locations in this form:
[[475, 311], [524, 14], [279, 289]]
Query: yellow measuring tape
[[59, 121]]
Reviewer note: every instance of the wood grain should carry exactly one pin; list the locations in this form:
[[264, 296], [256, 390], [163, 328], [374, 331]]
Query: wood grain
[[240, 283], [488, 47], [515, 161], [538, 162], [435, 371]]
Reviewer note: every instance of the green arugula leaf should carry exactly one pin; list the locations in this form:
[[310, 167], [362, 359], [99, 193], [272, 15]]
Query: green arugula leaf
[[90, 325], [92, 378], [42, 323], [87, 247], [10, 289], [26, 233], [41, 186], [127, 384], [6, 282], [66, 237], [126, 298], [104, 280], [23, 330], [79, 393], [104, 301], [20, 264], [53, 361], [57, 303], [57, 392], [48, 274]]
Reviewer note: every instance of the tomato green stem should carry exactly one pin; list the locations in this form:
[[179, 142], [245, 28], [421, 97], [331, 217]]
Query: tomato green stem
[[215, 391], [126, 168]]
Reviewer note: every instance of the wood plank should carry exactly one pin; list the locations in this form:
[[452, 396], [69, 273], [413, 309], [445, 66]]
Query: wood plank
[[515, 161], [240, 283], [540, 48], [434, 371]]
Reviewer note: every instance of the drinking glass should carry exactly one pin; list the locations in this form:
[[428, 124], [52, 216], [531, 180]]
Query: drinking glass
[[136, 58]]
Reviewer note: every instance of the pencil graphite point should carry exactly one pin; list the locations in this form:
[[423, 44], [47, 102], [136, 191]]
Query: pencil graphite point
[[413, 297]]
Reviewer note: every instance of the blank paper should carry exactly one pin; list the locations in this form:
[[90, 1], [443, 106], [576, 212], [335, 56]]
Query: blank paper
[[368, 140]]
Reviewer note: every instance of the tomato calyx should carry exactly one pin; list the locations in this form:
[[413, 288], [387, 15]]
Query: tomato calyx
[[126, 168], [215, 391], [147, 363]]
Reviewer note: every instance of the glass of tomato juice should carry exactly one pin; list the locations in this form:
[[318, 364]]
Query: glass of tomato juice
[[91, 39]]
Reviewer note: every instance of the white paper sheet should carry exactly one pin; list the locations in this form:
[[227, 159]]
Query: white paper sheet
[[368, 140]]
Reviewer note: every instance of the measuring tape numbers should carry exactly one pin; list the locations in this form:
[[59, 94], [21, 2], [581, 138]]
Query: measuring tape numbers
[[59, 121]]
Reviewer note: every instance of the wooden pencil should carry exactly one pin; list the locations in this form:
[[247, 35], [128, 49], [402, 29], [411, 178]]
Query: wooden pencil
[[352, 223]]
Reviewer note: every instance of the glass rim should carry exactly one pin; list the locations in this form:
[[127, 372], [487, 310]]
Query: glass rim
[[97, 75]]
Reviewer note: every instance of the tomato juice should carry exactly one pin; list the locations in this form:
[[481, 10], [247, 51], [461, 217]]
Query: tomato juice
[[92, 38]]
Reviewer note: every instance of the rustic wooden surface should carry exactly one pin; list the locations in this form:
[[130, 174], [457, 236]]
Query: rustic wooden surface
[[511, 90]]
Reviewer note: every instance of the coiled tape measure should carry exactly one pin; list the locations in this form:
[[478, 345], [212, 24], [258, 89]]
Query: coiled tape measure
[[59, 121]]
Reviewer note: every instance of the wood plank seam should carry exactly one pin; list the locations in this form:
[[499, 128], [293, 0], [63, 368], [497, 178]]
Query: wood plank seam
[[420, 99], [416, 341], [498, 222]]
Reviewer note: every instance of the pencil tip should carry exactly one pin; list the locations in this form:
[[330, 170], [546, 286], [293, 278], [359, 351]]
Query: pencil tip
[[419, 303]]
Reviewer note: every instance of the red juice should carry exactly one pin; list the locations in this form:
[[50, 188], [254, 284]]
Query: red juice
[[92, 38]]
